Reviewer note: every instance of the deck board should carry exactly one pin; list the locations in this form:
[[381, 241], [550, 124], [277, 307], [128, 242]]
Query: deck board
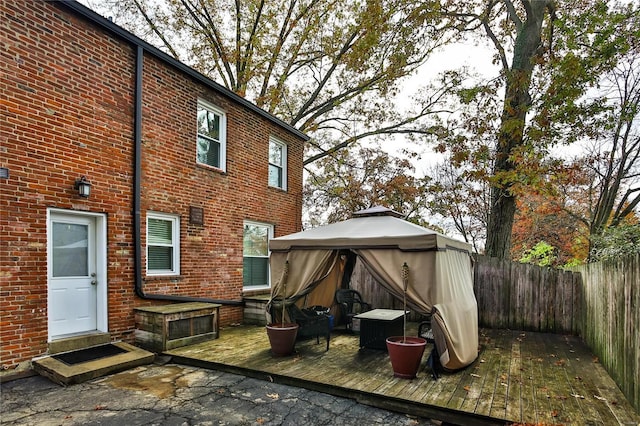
[[520, 377]]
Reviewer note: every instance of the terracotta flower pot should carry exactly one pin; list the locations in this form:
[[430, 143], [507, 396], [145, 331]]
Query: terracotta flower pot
[[405, 354], [282, 338]]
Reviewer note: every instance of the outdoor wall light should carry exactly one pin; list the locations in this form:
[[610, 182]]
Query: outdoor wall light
[[83, 186]]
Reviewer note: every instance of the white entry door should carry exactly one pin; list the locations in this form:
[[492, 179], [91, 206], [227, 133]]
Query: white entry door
[[73, 274]]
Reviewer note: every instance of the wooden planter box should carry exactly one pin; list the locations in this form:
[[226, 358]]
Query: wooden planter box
[[159, 328]]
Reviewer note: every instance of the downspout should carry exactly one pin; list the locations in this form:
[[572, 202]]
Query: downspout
[[137, 189]]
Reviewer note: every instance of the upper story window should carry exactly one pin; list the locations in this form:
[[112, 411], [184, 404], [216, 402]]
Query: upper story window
[[277, 164], [211, 147], [256, 254], [163, 244]]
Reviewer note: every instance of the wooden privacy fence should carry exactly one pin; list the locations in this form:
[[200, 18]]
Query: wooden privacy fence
[[521, 296], [611, 320]]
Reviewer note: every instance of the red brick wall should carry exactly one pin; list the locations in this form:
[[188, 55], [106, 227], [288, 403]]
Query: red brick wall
[[211, 255], [67, 102]]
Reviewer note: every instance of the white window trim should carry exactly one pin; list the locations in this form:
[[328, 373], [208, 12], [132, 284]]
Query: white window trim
[[270, 227], [284, 162], [176, 243], [223, 135]]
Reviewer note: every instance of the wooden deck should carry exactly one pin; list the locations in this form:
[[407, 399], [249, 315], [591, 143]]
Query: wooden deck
[[519, 377]]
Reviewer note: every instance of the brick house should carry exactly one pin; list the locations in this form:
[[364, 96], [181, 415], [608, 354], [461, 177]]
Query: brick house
[[187, 182]]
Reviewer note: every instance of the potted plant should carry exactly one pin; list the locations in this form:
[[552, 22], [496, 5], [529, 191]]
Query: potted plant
[[405, 352], [282, 336]]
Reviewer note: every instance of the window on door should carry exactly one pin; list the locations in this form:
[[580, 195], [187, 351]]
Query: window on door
[[255, 273], [70, 249], [163, 244]]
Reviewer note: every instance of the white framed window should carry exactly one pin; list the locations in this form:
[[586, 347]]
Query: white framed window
[[211, 146], [255, 271], [163, 244], [277, 164]]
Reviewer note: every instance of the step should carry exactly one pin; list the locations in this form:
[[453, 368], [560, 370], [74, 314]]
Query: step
[[67, 374], [72, 343]]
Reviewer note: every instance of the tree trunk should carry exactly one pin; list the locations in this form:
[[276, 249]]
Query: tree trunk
[[511, 135], [503, 208]]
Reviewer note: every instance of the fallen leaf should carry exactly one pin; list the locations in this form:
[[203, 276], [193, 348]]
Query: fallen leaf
[[467, 388], [575, 395], [273, 395], [561, 362], [101, 407], [260, 420], [474, 375], [596, 359], [599, 398], [554, 413]]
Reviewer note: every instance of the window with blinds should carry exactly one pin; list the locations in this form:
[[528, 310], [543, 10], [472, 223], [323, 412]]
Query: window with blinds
[[163, 238]]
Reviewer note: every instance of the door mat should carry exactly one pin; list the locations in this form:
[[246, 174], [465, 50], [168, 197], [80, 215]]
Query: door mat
[[89, 354]]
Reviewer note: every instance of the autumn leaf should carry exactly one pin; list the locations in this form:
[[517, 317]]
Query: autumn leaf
[[554, 413], [467, 388]]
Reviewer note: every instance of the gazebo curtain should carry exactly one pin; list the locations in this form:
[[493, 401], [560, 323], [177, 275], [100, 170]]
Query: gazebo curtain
[[306, 270]]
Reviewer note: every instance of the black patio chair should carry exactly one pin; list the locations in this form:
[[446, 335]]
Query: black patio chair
[[351, 304], [433, 361], [310, 322]]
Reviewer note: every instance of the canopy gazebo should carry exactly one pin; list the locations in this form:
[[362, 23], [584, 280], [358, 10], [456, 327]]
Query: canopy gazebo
[[320, 260]]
